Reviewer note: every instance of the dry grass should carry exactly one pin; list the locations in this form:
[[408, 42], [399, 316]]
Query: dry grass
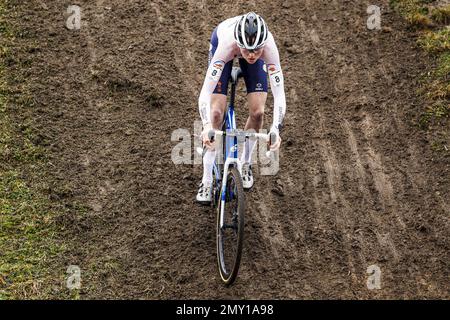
[[431, 23]]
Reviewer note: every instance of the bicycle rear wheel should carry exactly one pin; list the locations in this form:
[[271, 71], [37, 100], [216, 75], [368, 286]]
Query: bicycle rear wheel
[[230, 235]]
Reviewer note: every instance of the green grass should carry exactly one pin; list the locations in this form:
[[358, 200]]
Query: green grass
[[436, 86], [435, 41], [414, 11], [28, 233], [437, 111], [421, 13], [431, 23], [26, 238], [443, 67]]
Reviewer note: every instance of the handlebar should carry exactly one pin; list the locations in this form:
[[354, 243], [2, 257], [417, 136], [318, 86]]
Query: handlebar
[[247, 134], [237, 133]]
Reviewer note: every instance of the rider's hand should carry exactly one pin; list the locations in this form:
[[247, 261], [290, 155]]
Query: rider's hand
[[206, 142], [276, 145]]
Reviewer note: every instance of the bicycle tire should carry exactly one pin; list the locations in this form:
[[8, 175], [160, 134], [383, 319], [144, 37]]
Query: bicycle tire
[[229, 271]]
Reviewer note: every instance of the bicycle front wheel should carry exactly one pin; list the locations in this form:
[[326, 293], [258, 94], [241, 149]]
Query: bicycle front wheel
[[230, 227]]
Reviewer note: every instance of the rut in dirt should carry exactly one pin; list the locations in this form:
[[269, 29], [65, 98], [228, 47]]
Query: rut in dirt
[[358, 185]]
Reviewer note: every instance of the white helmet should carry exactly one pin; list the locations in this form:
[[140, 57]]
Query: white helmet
[[251, 32]]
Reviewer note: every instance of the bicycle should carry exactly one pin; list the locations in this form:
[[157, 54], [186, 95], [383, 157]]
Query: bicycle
[[227, 191]]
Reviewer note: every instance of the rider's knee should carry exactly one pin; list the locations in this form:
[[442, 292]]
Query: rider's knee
[[216, 115], [257, 115]]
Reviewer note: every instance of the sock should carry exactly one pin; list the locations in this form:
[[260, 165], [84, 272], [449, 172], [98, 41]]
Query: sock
[[208, 163], [249, 145]]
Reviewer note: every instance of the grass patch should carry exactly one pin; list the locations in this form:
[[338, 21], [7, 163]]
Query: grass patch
[[435, 41], [422, 14], [441, 15], [437, 111], [26, 239], [415, 12], [436, 84], [431, 22], [28, 232]]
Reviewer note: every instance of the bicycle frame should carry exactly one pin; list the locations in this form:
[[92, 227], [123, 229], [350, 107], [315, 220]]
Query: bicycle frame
[[230, 150], [230, 145]]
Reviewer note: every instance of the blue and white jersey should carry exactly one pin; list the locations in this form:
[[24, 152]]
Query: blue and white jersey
[[226, 51]]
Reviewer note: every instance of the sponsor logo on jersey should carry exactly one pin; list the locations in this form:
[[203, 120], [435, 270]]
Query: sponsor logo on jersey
[[218, 65], [216, 71], [273, 69]]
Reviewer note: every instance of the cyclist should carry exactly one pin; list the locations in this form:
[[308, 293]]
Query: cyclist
[[247, 38]]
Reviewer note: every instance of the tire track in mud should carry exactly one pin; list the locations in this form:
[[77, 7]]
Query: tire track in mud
[[185, 57], [384, 238], [104, 187], [364, 189], [382, 183], [340, 206]]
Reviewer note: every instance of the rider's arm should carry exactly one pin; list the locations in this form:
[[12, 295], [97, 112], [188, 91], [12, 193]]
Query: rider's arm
[[211, 79], [213, 74], [272, 59]]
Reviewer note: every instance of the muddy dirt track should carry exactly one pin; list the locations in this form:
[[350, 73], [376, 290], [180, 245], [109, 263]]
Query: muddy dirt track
[[358, 184]]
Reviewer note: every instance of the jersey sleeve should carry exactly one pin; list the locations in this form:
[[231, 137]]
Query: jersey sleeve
[[272, 59], [213, 74]]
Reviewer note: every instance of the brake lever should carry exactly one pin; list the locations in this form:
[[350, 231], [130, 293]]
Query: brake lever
[[273, 139]]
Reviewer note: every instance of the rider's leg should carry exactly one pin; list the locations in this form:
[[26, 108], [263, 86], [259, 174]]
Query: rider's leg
[[256, 102], [218, 105], [255, 76]]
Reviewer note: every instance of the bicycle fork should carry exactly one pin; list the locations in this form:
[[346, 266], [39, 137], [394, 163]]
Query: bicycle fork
[[228, 162]]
